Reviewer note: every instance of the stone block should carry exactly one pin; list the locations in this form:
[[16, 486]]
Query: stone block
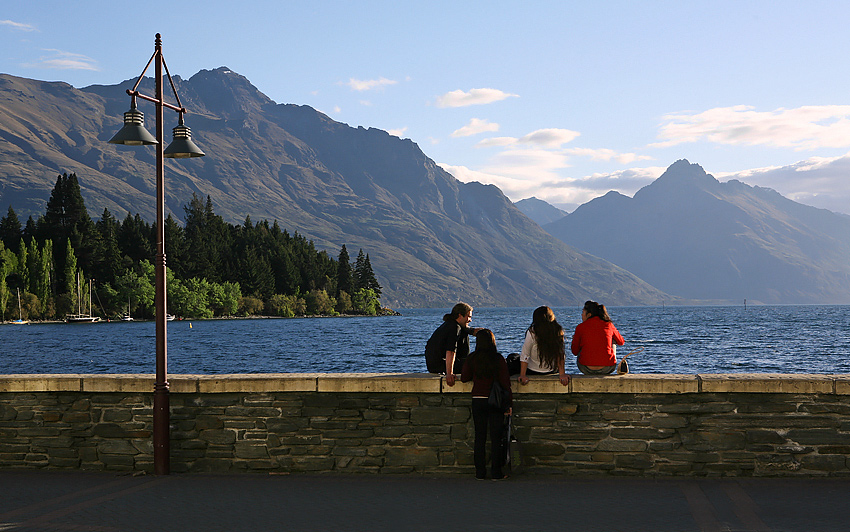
[[250, 450], [766, 383], [312, 463], [539, 449], [63, 463], [61, 442], [39, 383], [115, 415], [635, 383], [439, 416], [378, 383], [622, 445], [118, 383], [116, 447], [411, 456], [764, 436], [218, 437], [632, 433], [832, 463], [668, 422], [257, 383], [539, 384], [210, 465], [818, 437]]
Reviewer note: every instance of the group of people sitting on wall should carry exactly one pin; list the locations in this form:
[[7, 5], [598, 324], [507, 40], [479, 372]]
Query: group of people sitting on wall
[[543, 353]]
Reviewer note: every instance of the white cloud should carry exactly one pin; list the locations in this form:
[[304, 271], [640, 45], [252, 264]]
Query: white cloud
[[361, 85], [817, 181], [474, 127], [542, 138], [496, 141], [549, 138], [605, 154], [803, 128], [61, 60], [459, 98], [512, 187], [397, 132], [17, 25]]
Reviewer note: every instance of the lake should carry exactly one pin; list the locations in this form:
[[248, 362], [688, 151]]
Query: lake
[[711, 339]]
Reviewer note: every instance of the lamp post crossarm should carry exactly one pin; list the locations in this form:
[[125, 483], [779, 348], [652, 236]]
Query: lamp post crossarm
[[138, 94]]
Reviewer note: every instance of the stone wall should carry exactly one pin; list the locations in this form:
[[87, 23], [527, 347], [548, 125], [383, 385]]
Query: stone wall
[[663, 425]]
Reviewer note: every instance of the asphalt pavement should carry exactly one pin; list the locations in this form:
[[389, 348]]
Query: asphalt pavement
[[38, 501]]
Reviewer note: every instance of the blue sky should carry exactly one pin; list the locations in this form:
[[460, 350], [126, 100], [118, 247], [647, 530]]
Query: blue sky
[[559, 100]]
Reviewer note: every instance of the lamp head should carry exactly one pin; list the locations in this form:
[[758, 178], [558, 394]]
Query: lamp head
[[133, 133], [182, 145]]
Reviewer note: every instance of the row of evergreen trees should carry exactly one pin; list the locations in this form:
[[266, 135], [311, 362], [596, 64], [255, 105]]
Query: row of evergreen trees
[[214, 268]]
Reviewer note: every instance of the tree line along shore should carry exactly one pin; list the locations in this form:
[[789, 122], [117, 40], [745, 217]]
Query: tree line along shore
[[50, 266]]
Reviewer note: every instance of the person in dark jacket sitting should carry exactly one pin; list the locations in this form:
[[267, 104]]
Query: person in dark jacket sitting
[[482, 367], [448, 347]]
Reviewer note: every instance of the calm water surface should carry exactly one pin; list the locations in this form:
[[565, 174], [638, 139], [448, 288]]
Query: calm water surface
[[761, 339]]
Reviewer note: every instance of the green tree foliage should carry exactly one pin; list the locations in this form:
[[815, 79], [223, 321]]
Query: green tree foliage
[[10, 230], [343, 272], [214, 268], [364, 276]]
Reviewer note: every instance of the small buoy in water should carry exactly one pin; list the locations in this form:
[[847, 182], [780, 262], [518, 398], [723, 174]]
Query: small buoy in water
[[190, 325]]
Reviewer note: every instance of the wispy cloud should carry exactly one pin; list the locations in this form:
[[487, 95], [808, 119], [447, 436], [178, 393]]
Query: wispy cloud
[[816, 181], [460, 98], [361, 85], [803, 128], [397, 132], [17, 25], [544, 138], [61, 60], [605, 154], [476, 126]]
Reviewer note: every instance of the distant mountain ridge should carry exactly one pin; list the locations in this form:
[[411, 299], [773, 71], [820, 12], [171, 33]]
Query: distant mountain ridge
[[432, 239], [540, 211], [690, 235]]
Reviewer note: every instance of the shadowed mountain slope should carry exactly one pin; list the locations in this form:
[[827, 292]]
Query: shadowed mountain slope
[[432, 239]]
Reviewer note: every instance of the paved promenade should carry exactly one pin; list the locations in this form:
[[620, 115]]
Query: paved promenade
[[104, 502]]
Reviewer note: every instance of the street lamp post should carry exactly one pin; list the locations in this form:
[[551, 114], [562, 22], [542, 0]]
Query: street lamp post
[[134, 134]]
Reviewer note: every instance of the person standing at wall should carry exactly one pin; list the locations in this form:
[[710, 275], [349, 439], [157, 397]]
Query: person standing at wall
[[484, 366]]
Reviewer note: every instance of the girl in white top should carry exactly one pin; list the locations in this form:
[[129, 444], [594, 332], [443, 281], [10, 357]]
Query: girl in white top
[[543, 349]]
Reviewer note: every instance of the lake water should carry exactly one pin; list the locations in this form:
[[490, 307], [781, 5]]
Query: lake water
[[756, 339]]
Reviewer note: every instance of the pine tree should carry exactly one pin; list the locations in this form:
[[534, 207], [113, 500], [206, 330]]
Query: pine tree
[[370, 282], [343, 273], [359, 266], [10, 230], [108, 265]]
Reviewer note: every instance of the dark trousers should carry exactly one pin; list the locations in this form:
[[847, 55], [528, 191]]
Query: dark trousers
[[483, 418]]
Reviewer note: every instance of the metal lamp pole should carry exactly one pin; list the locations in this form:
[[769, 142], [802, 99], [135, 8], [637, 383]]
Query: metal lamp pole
[[133, 133]]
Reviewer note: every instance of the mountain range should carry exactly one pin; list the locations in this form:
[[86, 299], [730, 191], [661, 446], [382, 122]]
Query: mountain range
[[432, 239], [690, 235]]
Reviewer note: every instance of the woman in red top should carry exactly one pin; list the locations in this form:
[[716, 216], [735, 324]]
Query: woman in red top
[[594, 339]]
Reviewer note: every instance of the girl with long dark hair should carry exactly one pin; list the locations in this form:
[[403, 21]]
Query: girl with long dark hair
[[594, 339], [543, 349], [482, 367]]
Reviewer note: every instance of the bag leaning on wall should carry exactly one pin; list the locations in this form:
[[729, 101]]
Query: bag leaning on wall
[[499, 397]]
